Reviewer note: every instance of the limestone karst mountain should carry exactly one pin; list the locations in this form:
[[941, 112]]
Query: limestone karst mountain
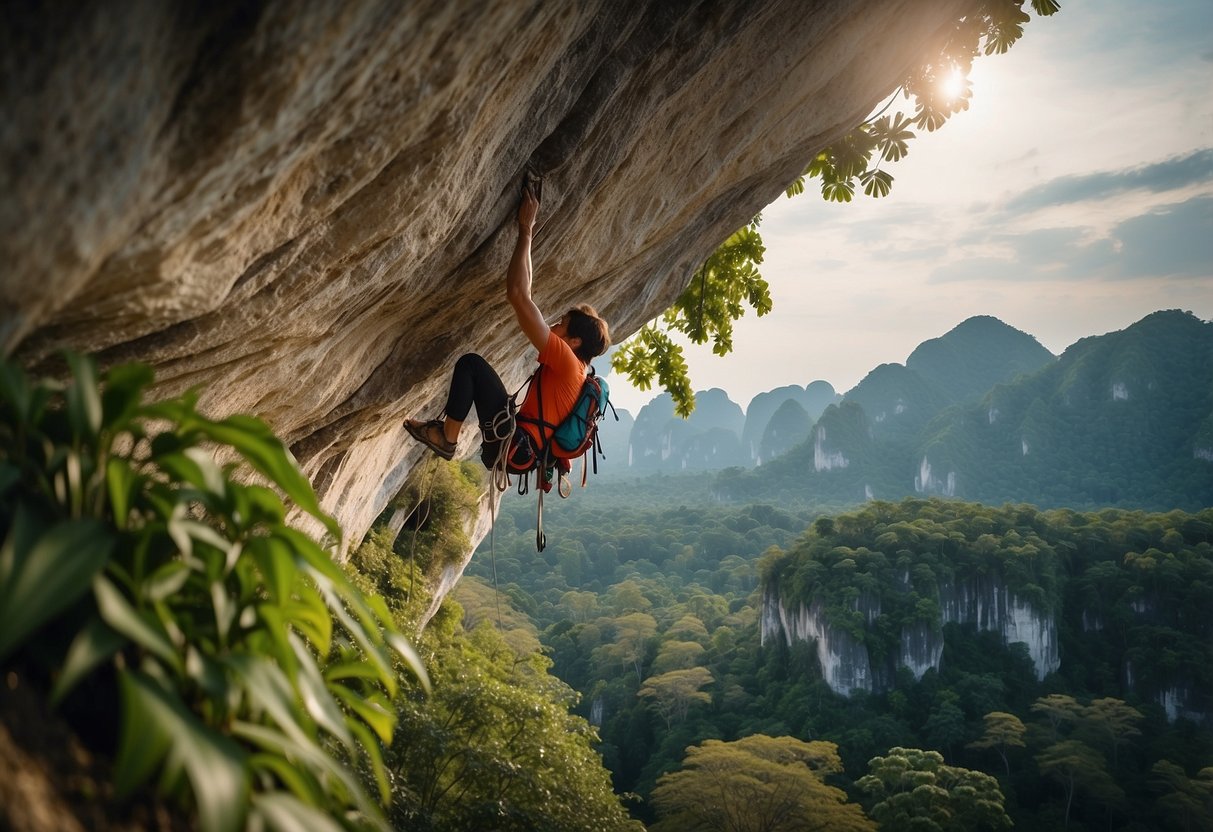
[[898, 401], [788, 427], [1116, 420], [1119, 419], [976, 354], [814, 398], [709, 439], [307, 208]]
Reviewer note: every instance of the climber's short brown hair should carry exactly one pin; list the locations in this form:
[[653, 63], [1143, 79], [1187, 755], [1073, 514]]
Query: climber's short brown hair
[[585, 324]]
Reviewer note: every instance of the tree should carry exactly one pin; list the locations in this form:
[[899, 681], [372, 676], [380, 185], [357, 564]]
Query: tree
[[1058, 710], [631, 644], [1114, 722], [627, 596], [946, 724], [1187, 802], [495, 747], [1075, 765], [677, 655], [689, 628], [581, 605], [673, 693], [1003, 731], [756, 784], [706, 309], [913, 789]]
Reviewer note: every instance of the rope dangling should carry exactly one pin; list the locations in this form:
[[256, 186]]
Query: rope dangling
[[499, 429]]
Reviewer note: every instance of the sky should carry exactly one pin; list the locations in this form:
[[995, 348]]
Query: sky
[[1073, 198]]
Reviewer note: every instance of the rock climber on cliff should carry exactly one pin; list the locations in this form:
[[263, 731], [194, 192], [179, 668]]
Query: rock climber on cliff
[[565, 351]]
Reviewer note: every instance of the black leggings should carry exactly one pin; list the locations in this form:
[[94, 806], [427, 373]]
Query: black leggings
[[475, 382]]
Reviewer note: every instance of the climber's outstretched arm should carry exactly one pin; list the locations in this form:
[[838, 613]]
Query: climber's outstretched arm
[[518, 278]]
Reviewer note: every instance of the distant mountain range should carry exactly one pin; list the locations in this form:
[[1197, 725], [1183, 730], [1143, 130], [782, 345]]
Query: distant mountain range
[[1123, 419]]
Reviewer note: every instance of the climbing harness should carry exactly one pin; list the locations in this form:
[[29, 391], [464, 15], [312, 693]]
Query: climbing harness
[[576, 435]]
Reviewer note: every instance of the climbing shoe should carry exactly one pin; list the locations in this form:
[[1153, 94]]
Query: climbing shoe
[[432, 435]]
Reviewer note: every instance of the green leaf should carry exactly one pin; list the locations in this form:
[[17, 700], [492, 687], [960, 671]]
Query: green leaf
[[308, 613], [266, 453], [264, 505], [374, 710], [368, 639], [146, 631], [214, 764], [300, 781], [83, 399], [374, 754], [355, 669], [166, 581], [273, 632], [322, 764], [317, 697], [209, 675], [876, 183], [196, 467], [142, 740], [93, 644], [271, 691], [42, 573], [283, 813], [404, 648], [277, 566], [121, 479], [838, 190], [225, 610], [124, 386]]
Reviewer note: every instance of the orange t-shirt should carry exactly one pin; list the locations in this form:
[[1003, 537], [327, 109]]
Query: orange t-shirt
[[561, 375]]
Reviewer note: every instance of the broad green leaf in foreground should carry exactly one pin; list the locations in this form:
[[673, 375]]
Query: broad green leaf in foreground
[[41, 580]]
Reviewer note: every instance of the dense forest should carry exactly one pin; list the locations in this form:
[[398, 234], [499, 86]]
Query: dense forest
[[653, 615]]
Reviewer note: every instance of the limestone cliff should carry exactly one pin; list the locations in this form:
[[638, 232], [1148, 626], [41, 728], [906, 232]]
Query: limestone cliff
[[307, 207], [983, 601]]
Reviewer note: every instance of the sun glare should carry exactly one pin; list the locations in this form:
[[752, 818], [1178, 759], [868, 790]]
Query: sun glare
[[952, 85]]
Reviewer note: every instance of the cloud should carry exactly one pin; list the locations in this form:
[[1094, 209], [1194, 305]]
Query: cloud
[[1171, 241], [1168, 241], [1168, 175]]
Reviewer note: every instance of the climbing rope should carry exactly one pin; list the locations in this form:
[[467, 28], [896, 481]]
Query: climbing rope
[[423, 499], [499, 429]]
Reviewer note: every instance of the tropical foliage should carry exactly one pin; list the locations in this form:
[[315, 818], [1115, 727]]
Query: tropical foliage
[[145, 584]]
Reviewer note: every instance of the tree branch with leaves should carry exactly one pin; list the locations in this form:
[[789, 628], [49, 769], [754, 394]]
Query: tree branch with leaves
[[720, 290]]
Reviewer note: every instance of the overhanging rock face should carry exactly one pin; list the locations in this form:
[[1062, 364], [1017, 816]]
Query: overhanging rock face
[[308, 207]]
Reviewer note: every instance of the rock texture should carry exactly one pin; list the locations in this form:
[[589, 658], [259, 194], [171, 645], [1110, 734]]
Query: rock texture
[[307, 207]]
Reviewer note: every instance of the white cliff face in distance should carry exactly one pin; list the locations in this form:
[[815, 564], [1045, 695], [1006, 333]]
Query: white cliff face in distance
[[823, 459], [846, 665]]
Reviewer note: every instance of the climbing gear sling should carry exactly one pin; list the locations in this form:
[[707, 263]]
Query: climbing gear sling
[[575, 435]]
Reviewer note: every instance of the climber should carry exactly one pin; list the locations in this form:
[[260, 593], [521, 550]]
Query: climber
[[565, 351]]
